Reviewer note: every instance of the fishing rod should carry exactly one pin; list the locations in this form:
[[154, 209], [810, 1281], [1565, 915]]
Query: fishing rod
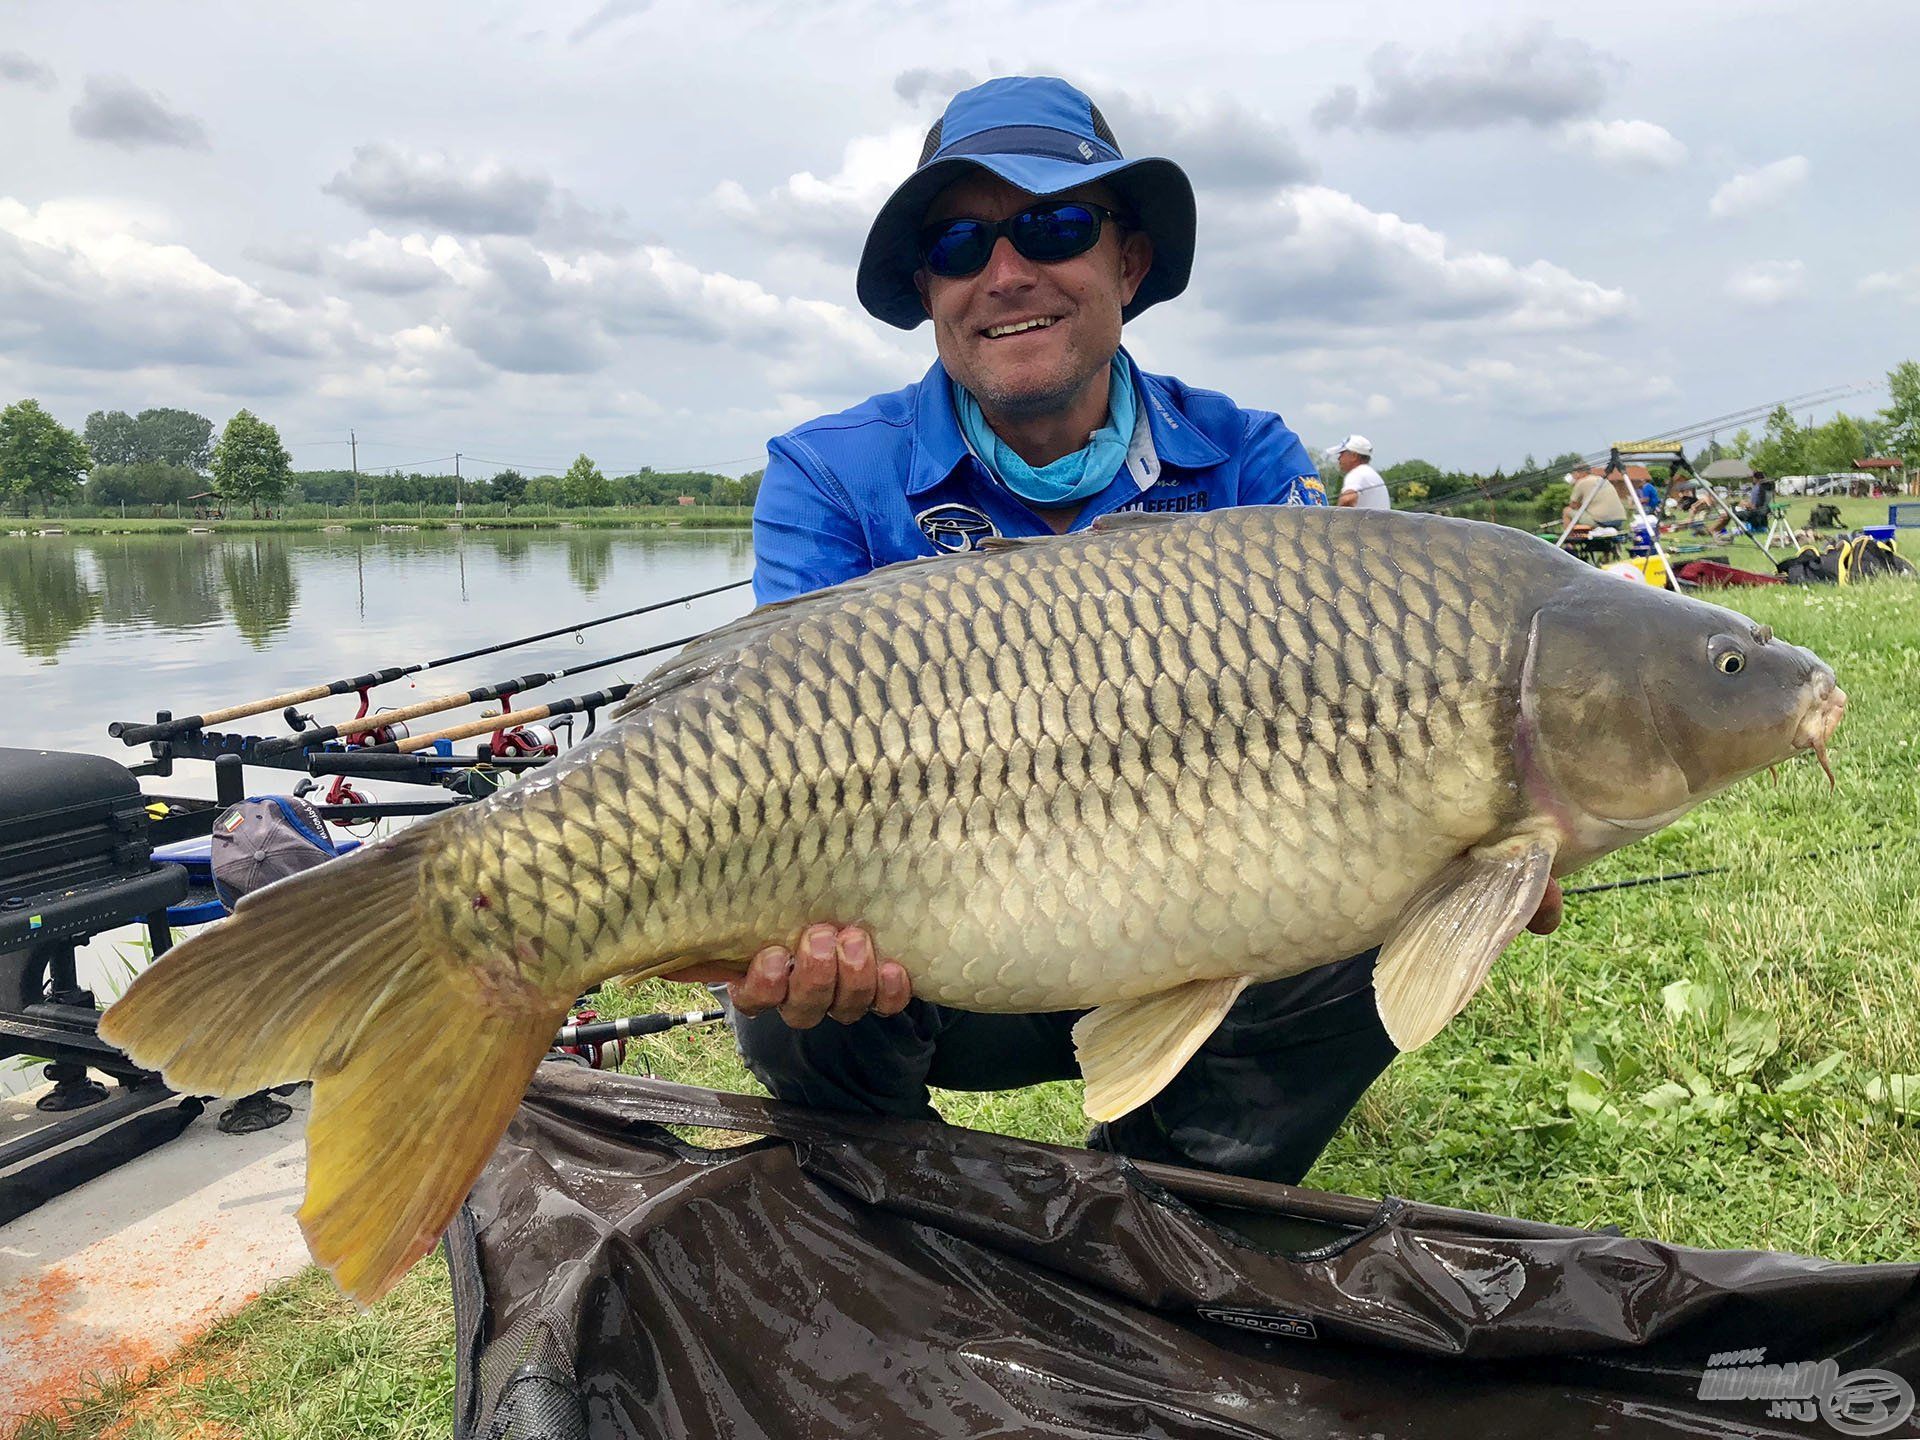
[[488, 724], [601, 1032], [494, 690], [136, 734]]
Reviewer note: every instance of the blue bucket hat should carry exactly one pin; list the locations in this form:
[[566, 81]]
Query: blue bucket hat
[[1045, 137]]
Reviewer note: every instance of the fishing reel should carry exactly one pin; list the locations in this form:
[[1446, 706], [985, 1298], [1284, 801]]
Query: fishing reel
[[594, 1054], [525, 741]]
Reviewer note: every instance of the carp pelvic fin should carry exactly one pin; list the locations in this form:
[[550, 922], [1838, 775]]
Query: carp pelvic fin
[[1450, 933], [1129, 1049], [418, 1058]]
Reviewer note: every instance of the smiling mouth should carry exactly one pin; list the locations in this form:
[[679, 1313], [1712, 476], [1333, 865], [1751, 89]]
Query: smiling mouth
[[1018, 327]]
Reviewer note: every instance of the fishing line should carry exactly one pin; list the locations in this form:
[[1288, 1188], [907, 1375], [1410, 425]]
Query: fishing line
[[1668, 876]]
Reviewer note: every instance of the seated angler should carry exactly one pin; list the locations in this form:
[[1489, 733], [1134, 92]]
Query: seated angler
[[1027, 239]]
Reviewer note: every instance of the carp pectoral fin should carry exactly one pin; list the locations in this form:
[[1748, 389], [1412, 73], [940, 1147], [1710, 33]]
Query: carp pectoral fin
[[1130, 1049], [1447, 937]]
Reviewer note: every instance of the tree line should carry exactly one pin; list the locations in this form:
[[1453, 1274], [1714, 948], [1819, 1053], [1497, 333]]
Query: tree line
[[163, 457], [168, 457]]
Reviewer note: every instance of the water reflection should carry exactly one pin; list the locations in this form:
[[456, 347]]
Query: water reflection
[[99, 628], [173, 586], [45, 599], [589, 555], [258, 573]]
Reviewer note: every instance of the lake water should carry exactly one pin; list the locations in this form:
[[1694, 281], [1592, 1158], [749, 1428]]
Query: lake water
[[101, 628]]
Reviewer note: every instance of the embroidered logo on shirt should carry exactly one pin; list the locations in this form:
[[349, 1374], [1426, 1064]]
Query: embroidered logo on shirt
[[1086, 151], [954, 528]]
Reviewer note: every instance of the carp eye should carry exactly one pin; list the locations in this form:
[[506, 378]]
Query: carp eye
[[1731, 663], [1727, 656]]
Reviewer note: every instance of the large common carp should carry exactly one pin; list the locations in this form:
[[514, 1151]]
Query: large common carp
[[1134, 769]]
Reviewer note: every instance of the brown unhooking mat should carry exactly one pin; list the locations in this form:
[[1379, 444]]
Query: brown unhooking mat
[[853, 1278]]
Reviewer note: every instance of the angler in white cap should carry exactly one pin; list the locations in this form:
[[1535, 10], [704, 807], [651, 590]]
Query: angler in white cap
[[1360, 483]]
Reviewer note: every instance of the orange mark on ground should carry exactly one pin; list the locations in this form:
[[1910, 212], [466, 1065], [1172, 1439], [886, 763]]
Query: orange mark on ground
[[39, 1334], [63, 1359]]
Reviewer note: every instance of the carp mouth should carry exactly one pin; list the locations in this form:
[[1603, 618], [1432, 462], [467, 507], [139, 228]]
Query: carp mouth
[[1818, 724]]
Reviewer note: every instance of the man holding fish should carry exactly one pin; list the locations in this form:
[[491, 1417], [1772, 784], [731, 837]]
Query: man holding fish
[[1027, 238], [1271, 785]]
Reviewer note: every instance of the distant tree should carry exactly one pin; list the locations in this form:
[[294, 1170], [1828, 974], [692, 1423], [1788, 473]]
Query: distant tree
[[1833, 446], [145, 482], [584, 485], [113, 437], [1741, 445], [1562, 464], [544, 493], [175, 437], [1901, 418], [39, 457], [509, 488], [249, 462], [1782, 449]]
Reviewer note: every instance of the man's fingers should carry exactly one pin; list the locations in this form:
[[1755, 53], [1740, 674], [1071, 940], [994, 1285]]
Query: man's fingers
[[854, 993], [892, 989], [765, 983], [816, 973], [1546, 919]]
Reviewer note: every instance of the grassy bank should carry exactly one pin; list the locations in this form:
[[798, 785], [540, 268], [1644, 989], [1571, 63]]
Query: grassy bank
[[711, 517], [1729, 1060]]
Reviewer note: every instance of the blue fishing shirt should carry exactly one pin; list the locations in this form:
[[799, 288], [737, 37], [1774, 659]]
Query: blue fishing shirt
[[893, 478]]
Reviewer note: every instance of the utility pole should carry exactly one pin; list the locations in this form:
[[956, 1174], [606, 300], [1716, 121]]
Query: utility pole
[[459, 500], [354, 441]]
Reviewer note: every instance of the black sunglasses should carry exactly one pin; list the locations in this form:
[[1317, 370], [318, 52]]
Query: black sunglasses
[[1052, 231]]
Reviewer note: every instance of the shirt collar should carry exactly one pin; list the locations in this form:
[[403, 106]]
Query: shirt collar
[[1171, 439]]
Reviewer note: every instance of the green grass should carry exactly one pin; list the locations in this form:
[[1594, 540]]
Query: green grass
[[1714, 1062]]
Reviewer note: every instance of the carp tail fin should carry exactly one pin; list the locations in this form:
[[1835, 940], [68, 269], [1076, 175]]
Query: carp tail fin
[[417, 1059]]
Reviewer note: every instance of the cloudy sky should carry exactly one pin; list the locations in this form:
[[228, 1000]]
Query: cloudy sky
[[629, 226]]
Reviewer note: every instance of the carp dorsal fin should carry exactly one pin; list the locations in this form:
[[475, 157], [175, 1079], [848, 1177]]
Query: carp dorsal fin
[[992, 543], [1135, 520], [1447, 938], [1129, 1049]]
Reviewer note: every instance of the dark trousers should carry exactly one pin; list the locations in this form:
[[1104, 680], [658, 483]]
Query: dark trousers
[[1261, 1098]]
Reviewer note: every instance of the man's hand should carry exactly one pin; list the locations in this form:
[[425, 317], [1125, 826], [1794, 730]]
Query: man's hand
[[833, 973], [1546, 919]]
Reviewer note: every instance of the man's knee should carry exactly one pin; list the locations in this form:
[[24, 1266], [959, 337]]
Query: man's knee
[[875, 1066]]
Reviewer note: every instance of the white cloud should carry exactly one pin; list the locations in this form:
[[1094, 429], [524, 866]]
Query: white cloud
[[1766, 283], [82, 284], [401, 264], [1625, 144], [1901, 284], [481, 198], [1220, 143], [1312, 259], [1531, 76], [831, 213], [117, 111], [23, 69], [1752, 191]]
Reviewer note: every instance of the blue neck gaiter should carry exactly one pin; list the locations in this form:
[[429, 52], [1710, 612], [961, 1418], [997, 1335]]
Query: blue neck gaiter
[[1079, 476]]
